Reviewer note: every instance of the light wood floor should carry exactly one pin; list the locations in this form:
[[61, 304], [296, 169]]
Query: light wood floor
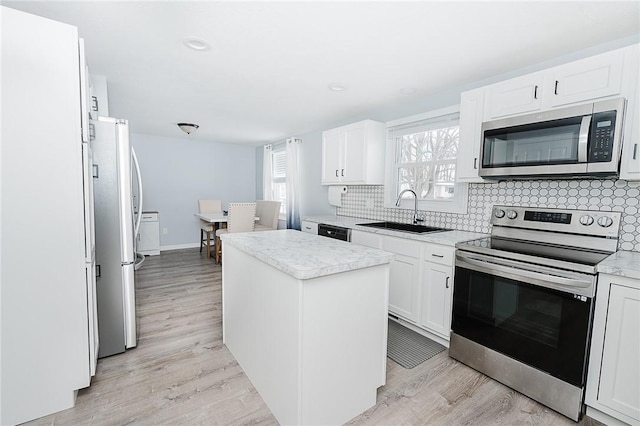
[[181, 374]]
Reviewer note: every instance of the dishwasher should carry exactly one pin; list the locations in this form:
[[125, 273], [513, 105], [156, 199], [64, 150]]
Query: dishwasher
[[337, 232]]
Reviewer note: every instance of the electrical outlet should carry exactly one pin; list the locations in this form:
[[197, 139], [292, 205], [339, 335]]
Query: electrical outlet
[[368, 203], [165, 231]]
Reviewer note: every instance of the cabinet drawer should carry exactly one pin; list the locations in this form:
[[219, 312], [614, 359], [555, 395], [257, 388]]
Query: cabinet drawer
[[149, 217], [439, 254], [309, 227], [401, 246]]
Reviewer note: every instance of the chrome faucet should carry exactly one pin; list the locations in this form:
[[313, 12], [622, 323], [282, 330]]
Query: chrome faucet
[[416, 219]]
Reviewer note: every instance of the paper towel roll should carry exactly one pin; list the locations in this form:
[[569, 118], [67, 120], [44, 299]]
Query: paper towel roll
[[335, 195]]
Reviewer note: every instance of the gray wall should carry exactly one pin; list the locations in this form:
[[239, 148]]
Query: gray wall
[[176, 172], [314, 196]]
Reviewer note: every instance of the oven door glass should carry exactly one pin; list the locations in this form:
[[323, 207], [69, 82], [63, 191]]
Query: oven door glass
[[544, 328], [548, 143]]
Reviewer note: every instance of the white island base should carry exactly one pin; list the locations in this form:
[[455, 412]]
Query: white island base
[[315, 349]]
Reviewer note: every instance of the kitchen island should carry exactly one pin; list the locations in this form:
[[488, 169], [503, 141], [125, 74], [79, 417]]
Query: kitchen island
[[306, 319]]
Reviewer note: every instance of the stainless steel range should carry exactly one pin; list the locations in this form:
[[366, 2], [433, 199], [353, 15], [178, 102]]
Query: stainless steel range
[[523, 300]]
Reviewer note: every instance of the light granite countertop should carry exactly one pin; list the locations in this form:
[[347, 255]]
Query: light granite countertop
[[622, 263], [303, 255], [447, 238]]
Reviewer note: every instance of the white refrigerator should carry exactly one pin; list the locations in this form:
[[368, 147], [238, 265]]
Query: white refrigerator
[[115, 235]]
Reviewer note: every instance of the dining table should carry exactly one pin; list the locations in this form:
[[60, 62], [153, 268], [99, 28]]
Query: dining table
[[217, 219]]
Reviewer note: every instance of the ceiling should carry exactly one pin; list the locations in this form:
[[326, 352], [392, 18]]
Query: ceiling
[[267, 72]]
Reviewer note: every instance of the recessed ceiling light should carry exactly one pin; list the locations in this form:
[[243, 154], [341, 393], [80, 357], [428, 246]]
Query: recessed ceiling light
[[196, 43], [336, 87]]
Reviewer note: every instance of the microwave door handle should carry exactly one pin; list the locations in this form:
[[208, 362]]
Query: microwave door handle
[[554, 279], [583, 138]]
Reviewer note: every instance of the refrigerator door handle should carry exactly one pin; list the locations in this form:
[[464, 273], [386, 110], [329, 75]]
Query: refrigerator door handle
[[125, 192]]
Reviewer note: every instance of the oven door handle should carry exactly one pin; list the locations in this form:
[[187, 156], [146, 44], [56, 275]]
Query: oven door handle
[[578, 286]]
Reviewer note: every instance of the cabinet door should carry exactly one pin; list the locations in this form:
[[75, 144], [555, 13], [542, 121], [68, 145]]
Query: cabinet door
[[592, 78], [436, 298], [149, 238], [630, 161], [353, 168], [471, 112], [331, 156], [620, 372], [404, 278], [515, 96]]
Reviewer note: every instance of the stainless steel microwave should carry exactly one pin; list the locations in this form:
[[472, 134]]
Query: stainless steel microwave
[[583, 140]]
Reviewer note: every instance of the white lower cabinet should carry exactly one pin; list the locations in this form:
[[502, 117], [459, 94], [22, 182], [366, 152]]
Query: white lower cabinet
[[420, 280], [613, 381], [436, 285], [404, 278]]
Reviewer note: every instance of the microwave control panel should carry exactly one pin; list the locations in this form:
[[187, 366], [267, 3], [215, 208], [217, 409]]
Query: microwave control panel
[[601, 144]]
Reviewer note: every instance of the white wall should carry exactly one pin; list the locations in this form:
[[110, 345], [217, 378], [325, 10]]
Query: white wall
[[176, 172]]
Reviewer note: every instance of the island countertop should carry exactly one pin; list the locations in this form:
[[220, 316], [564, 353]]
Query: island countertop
[[303, 255]]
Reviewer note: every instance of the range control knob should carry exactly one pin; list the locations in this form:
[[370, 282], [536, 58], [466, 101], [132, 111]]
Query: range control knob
[[605, 221], [586, 220], [499, 213], [512, 214]]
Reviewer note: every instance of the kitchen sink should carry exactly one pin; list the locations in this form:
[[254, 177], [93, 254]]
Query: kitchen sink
[[403, 227]]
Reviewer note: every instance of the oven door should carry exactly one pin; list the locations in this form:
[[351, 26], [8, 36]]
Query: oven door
[[536, 315]]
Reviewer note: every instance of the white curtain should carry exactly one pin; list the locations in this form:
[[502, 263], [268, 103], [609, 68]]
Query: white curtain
[[267, 173], [293, 184]]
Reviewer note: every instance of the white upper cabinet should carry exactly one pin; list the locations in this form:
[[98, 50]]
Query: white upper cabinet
[[354, 154], [608, 75], [471, 107], [630, 162], [596, 77], [84, 91], [515, 96]]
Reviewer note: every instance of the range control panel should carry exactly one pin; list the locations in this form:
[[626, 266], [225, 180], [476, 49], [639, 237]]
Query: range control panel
[[584, 222]]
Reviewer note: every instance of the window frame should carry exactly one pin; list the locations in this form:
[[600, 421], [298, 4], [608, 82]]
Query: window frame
[[458, 204], [279, 150]]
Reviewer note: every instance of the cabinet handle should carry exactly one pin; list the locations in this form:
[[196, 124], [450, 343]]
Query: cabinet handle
[[437, 255], [447, 282], [94, 103], [555, 90], [635, 150], [535, 92], [342, 173], [475, 163], [337, 173]]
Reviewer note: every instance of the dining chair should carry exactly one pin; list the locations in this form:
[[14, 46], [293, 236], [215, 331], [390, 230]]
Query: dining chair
[[208, 228], [268, 213], [240, 218]]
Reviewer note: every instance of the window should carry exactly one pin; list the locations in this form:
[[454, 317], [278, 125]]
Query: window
[[279, 178], [421, 155]]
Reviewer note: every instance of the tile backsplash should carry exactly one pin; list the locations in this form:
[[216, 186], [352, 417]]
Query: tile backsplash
[[600, 195]]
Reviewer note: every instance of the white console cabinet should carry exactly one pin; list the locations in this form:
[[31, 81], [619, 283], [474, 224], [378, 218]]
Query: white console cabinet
[[613, 381], [149, 236]]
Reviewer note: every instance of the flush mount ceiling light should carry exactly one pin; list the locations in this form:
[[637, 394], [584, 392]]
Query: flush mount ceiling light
[[196, 43], [336, 87], [188, 128]]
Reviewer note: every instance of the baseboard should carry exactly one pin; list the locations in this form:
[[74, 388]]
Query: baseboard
[[179, 246], [422, 331]]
